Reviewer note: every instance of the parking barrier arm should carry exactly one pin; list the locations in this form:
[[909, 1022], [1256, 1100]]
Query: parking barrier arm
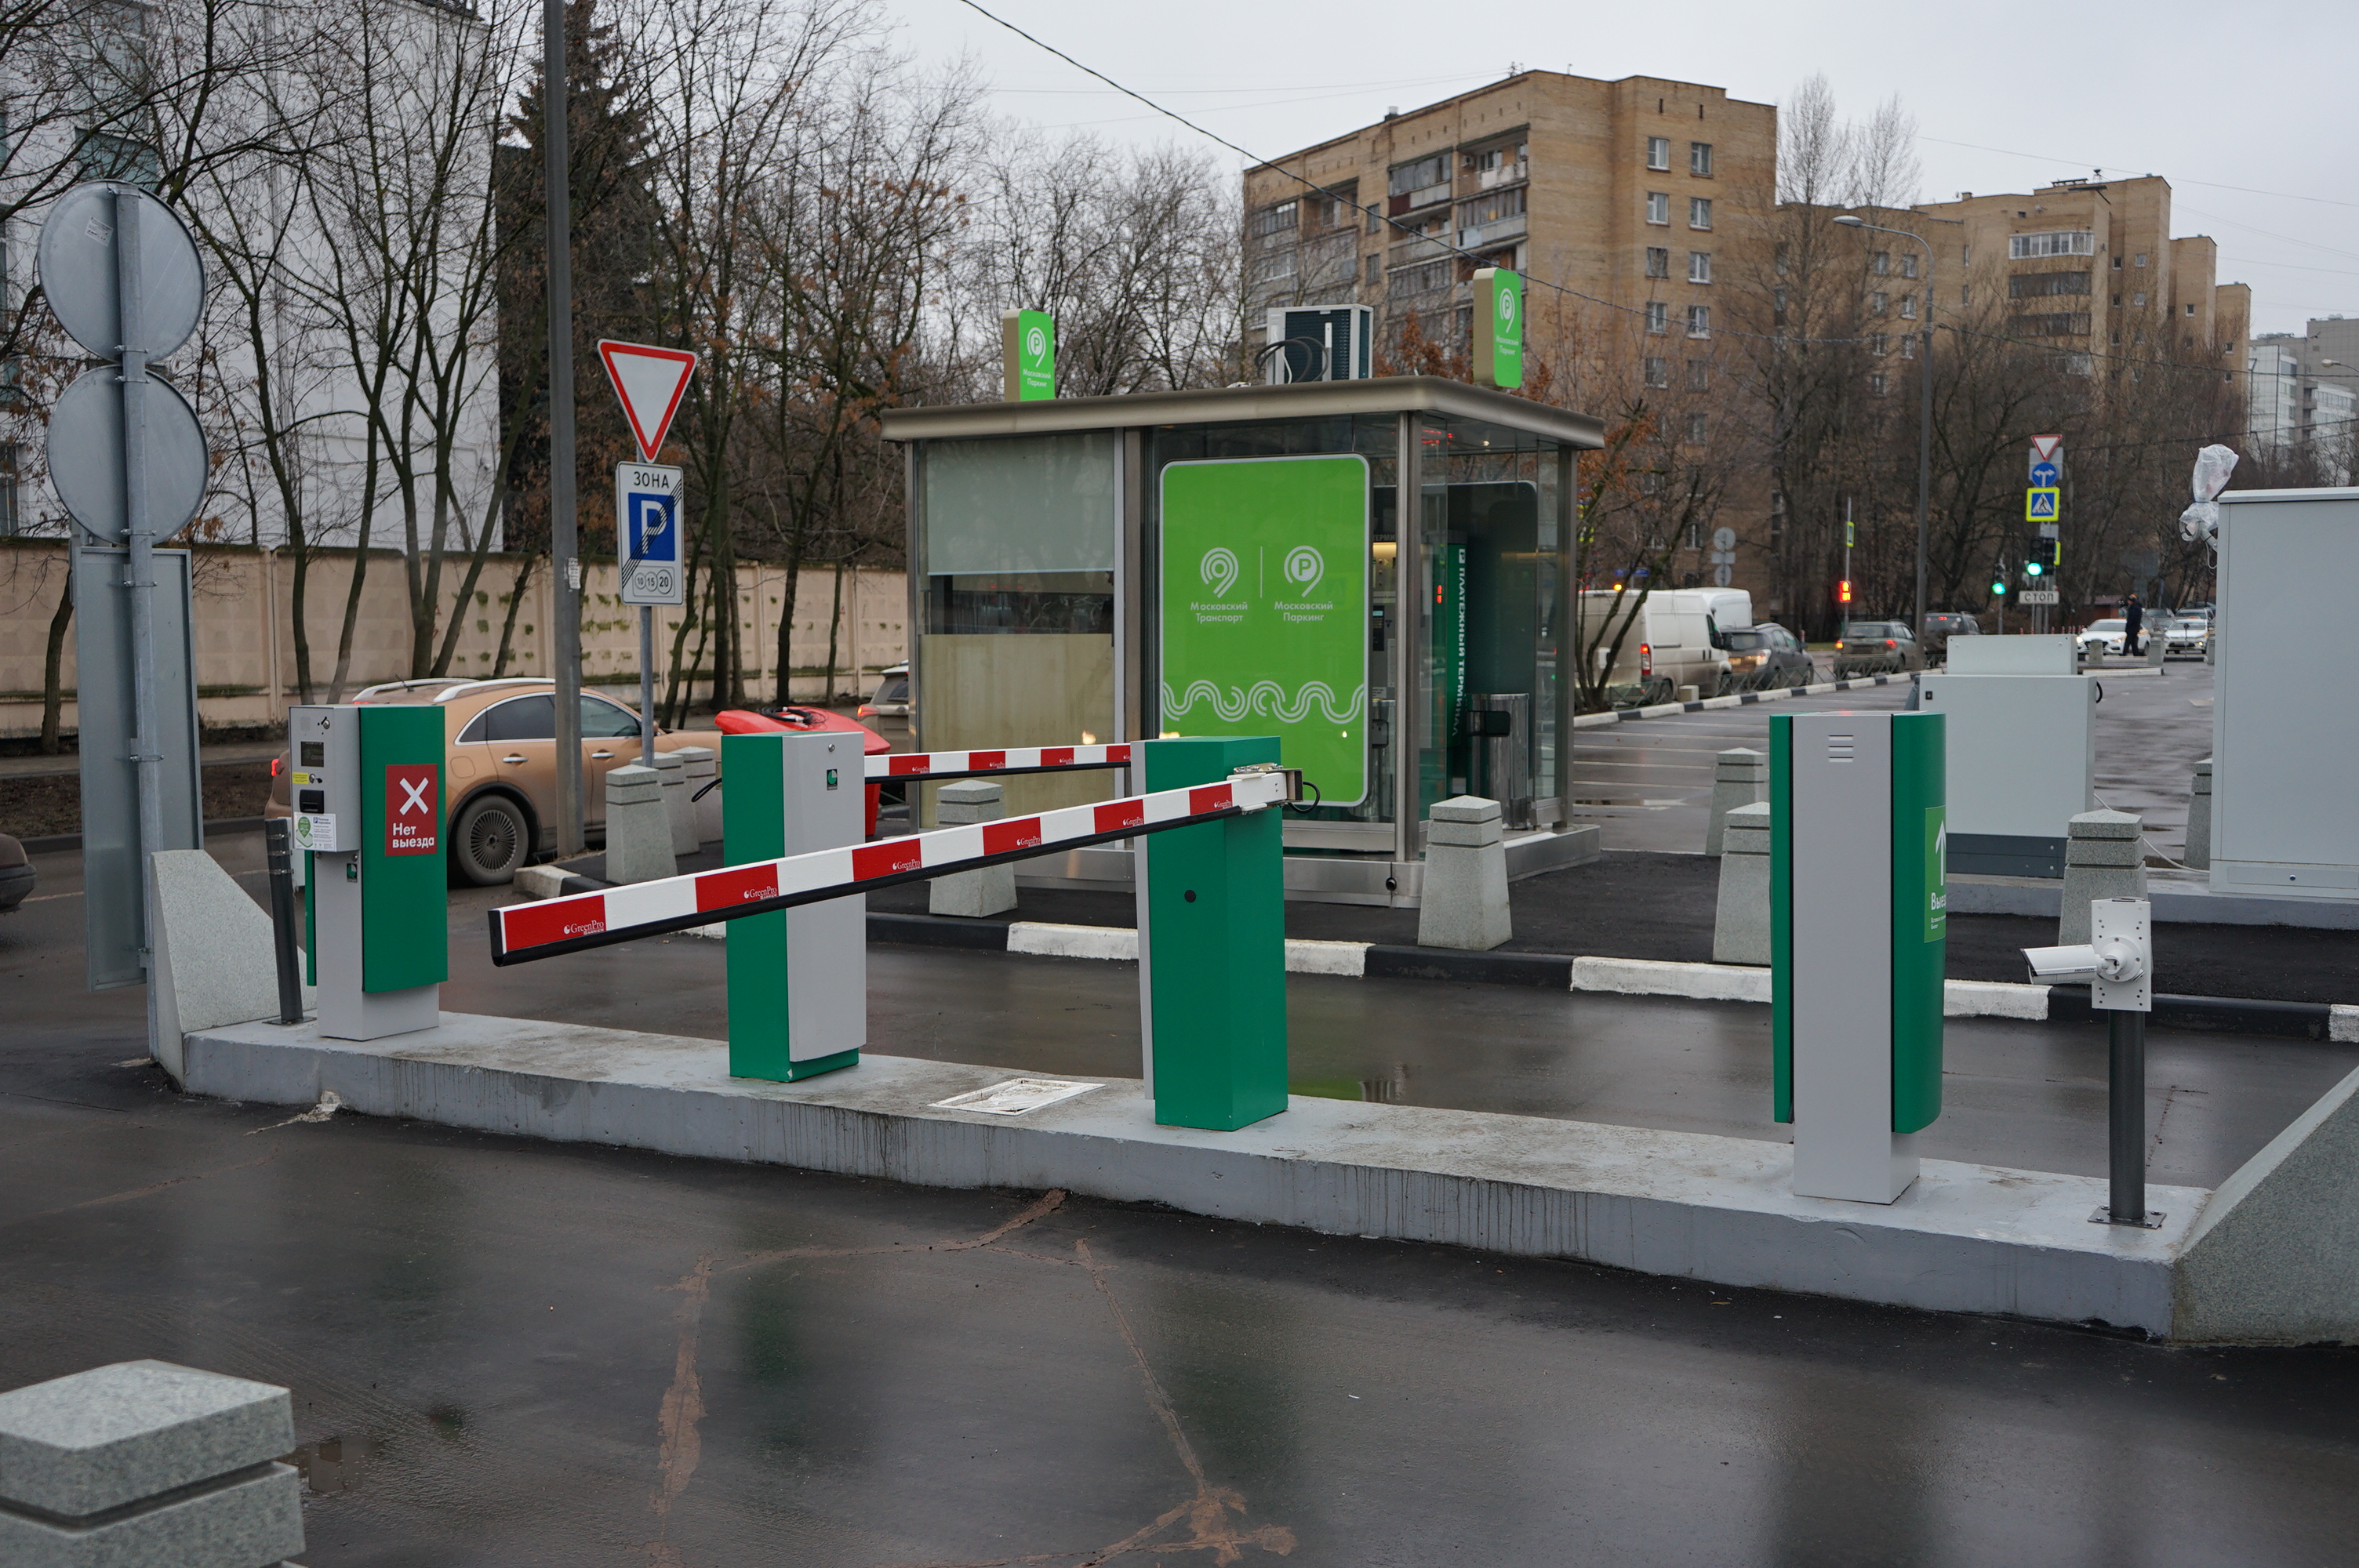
[[934, 767], [522, 933]]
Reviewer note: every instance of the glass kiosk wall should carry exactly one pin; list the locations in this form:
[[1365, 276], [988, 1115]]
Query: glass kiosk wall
[[1182, 563]]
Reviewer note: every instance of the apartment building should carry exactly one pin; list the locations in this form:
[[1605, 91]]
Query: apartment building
[[2306, 394], [1629, 191], [2091, 266]]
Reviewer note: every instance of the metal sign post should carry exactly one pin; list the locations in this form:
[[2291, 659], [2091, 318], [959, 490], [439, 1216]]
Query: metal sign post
[[122, 275]]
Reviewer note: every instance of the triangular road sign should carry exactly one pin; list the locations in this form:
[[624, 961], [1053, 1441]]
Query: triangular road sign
[[650, 381], [2044, 448]]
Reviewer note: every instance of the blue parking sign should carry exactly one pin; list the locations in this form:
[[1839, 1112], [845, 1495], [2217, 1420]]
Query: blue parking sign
[[647, 529]]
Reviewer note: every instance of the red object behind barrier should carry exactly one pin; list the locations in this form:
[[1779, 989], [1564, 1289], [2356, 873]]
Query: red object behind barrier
[[805, 721]]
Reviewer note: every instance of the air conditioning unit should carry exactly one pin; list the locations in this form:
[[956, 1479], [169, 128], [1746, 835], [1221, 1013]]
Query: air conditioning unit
[[1320, 342]]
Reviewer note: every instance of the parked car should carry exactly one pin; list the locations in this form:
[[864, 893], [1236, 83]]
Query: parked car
[[891, 697], [1674, 643], [1766, 658], [499, 774], [15, 873], [2106, 636], [740, 721], [1941, 625], [1877, 648], [2184, 636]]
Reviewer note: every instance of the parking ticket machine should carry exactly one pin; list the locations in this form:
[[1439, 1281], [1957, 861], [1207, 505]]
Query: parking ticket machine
[[367, 787]]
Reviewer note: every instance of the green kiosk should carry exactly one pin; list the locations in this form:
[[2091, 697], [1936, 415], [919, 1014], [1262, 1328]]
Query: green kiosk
[[1242, 562]]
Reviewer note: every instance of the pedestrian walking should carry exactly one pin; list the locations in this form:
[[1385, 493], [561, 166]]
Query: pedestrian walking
[[2133, 617]]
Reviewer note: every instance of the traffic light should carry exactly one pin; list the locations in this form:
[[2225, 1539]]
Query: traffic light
[[2046, 555], [2031, 568], [1842, 591], [1999, 588]]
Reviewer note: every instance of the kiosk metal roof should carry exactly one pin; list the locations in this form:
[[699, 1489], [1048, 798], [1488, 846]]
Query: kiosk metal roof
[[1242, 404]]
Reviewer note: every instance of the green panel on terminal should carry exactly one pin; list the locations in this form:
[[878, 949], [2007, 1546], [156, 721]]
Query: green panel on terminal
[[404, 868]]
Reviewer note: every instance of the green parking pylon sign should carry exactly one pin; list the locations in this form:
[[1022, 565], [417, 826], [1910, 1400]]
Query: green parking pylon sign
[[1211, 948]]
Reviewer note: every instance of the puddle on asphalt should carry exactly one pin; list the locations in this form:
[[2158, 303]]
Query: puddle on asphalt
[[334, 1463]]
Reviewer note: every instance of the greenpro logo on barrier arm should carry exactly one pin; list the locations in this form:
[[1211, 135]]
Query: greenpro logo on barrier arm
[[1498, 328], [1263, 609]]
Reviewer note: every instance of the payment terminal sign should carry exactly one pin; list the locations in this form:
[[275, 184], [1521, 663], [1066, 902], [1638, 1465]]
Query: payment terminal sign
[[648, 530]]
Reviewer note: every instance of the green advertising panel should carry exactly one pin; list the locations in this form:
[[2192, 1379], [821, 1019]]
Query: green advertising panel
[[1498, 328], [1264, 609], [1029, 348], [1920, 915]]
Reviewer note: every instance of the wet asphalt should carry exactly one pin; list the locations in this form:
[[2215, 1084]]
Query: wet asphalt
[[517, 1353]]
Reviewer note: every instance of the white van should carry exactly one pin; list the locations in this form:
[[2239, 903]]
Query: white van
[[1672, 644]]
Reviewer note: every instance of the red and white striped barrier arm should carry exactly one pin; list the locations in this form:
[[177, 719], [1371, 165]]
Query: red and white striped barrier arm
[[527, 931], [884, 767]]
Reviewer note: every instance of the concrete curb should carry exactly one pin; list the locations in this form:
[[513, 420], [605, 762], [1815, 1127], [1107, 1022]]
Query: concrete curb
[[1735, 699], [1964, 1239]]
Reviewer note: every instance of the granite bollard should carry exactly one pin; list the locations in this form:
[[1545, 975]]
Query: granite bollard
[[639, 832], [1739, 777], [970, 894], [146, 1465], [1740, 924], [214, 963], [698, 768], [1465, 900], [2103, 858]]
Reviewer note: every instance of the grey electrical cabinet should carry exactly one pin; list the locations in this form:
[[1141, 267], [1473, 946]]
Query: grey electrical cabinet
[[2285, 721], [2022, 764]]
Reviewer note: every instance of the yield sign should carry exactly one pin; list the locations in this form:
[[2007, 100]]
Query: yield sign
[[2044, 448], [650, 381]]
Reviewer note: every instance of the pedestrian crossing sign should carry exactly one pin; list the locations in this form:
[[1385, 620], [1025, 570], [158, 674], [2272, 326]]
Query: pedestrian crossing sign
[[2039, 503]]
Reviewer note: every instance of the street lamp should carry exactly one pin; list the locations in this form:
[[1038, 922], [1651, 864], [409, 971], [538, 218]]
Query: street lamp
[[1924, 406]]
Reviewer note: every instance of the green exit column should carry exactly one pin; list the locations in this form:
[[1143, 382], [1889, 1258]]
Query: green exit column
[[1211, 948]]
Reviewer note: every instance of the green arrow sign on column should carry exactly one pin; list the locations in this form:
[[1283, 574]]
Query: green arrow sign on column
[[1498, 328], [1264, 609]]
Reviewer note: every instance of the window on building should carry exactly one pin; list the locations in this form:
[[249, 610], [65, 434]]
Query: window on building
[[1658, 206], [108, 156], [2191, 309], [1699, 320], [1880, 263], [1965, 294], [1966, 256], [1271, 268], [1699, 266], [2057, 324], [1877, 384], [1699, 427], [1878, 303], [1699, 374], [1909, 307], [1785, 257], [2141, 259], [1659, 316], [1658, 152], [1494, 207], [2117, 301], [2137, 299], [1879, 343], [2053, 243], [1375, 269], [1280, 218], [1777, 300], [2041, 284], [1700, 157], [2117, 264], [1908, 347], [1909, 266], [1699, 212], [1658, 261], [1417, 183], [11, 518], [1423, 279], [1658, 371]]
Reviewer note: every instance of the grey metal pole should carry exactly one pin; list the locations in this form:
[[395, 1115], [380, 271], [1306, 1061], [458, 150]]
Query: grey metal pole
[[564, 521], [2125, 1117], [278, 858], [646, 684], [139, 536], [1924, 439]]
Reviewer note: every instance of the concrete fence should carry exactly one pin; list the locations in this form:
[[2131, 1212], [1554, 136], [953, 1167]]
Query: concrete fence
[[245, 627]]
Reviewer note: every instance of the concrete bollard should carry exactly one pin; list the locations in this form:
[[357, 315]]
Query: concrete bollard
[[699, 767], [2157, 647], [214, 959], [639, 834], [1739, 778], [678, 812], [1740, 925], [970, 894], [2103, 859], [1465, 900], [145, 1462], [2199, 819]]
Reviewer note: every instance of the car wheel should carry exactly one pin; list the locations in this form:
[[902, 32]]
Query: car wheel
[[487, 843]]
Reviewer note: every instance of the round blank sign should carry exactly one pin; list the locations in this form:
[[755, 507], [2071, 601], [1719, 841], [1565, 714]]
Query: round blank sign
[[81, 272], [1723, 539], [86, 454]]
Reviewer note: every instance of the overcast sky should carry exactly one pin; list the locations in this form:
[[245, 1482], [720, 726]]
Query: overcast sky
[[2227, 101]]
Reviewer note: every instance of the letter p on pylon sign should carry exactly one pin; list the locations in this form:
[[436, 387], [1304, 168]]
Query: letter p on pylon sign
[[651, 381]]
